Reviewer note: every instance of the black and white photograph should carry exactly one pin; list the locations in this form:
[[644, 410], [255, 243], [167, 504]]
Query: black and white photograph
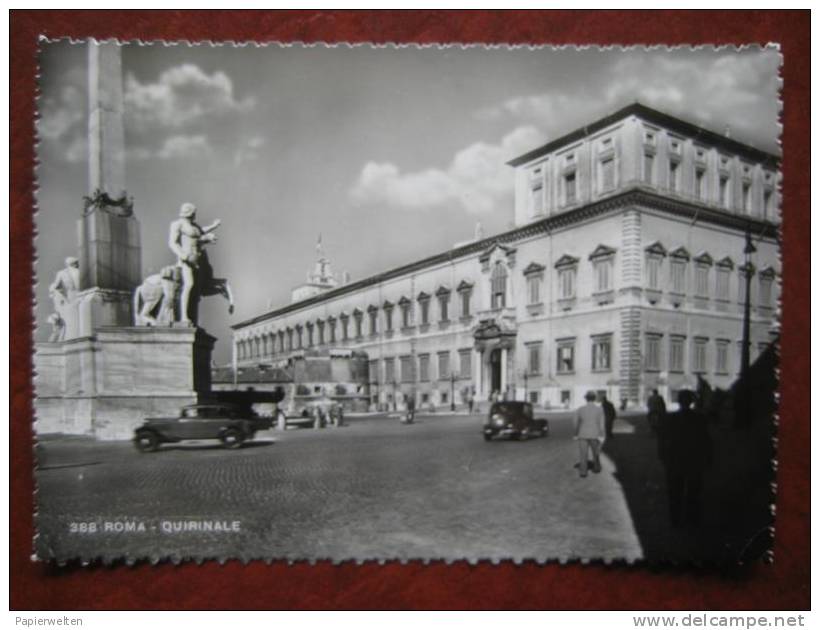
[[353, 302]]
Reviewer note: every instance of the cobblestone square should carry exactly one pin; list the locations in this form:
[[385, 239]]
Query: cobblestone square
[[374, 489]]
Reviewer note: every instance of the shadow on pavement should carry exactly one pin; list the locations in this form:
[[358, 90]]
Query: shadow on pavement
[[737, 517]]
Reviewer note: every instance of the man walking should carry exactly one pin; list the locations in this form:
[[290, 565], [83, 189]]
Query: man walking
[[590, 433], [657, 410], [609, 414]]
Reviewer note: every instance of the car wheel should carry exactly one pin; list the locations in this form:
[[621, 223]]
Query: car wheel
[[232, 438], [524, 435], [488, 437], [146, 441]]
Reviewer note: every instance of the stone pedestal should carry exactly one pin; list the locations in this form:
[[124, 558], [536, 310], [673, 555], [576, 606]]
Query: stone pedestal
[[106, 384], [110, 252]]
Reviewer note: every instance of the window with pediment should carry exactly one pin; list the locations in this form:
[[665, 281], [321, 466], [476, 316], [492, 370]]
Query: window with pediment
[[373, 316], [567, 269], [358, 322], [603, 264], [498, 285], [424, 308], [655, 255], [534, 274], [723, 278], [766, 282], [703, 269], [344, 320], [678, 263], [443, 297], [406, 312], [465, 292], [387, 307]]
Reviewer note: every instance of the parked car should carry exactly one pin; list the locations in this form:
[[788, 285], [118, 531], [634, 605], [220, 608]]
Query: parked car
[[513, 419], [230, 424]]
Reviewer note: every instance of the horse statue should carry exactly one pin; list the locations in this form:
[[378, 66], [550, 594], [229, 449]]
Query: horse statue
[[155, 298]]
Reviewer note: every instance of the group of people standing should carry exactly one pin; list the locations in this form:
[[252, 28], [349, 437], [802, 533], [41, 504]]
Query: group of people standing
[[684, 446]]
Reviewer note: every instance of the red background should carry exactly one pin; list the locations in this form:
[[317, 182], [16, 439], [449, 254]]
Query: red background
[[781, 585]]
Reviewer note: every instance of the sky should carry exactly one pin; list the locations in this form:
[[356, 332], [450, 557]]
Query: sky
[[390, 153]]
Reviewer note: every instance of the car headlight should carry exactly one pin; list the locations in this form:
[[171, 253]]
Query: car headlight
[[498, 420]]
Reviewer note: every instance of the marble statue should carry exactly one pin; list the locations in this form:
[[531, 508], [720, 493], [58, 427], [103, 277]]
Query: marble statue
[[63, 292], [187, 239], [154, 299], [57, 328]]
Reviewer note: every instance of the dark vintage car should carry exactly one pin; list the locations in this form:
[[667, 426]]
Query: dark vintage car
[[513, 419], [230, 424]]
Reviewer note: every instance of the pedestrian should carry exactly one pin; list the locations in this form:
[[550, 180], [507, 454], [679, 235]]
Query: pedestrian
[[685, 449], [410, 401], [471, 402], [656, 407], [590, 434], [609, 414]]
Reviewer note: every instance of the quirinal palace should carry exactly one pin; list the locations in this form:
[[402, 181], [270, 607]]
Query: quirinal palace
[[634, 240]]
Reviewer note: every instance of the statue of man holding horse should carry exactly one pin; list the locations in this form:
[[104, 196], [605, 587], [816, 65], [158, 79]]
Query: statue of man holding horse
[[187, 239]]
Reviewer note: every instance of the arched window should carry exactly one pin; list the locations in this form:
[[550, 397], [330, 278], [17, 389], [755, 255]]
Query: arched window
[[498, 285]]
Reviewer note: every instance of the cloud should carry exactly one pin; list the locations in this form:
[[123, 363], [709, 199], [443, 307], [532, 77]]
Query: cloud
[[59, 116], [477, 178], [182, 95], [248, 151], [739, 89], [184, 147]]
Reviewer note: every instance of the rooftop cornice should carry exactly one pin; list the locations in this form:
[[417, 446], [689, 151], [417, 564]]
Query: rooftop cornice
[[634, 196], [667, 121]]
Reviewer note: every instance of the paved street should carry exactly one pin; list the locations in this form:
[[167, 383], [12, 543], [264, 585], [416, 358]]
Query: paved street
[[373, 489]]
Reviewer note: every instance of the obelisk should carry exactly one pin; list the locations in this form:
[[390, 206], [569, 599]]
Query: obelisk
[[109, 234]]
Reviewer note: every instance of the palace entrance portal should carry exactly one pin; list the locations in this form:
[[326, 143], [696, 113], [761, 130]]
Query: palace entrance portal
[[495, 370]]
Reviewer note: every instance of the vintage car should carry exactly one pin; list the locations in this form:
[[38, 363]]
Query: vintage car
[[230, 424], [513, 419]]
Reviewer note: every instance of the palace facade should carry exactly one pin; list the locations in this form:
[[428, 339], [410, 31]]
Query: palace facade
[[625, 271]]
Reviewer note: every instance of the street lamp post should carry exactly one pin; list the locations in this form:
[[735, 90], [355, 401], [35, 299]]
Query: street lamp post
[[743, 409], [452, 391]]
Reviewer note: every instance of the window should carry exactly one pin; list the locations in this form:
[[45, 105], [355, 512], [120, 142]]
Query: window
[[747, 197], [648, 163], [674, 175], [722, 283], [537, 198], [766, 281], [700, 180], [424, 306], [653, 272], [406, 365], [290, 339], [608, 173], [767, 204], [357, 316], [653, 352], [699, 358], [744, 272], [443, 365], [406, 313], [373, 369], [602, 353], [373, 315], [444, 397], [533, 398], [534, 358], [724, 191], [388, 317], [282, 340], [465, 303], [534, 289], [722, 356], [390, 370], [424, 367], [465, 363], [566, 280], [331, 329], [566, 356], [498, 285], [603, 275], [678, 271], [345, 328], [702, 280], [444, 307], [676, 350], [298, 337], [321, 328], [569, 188]]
